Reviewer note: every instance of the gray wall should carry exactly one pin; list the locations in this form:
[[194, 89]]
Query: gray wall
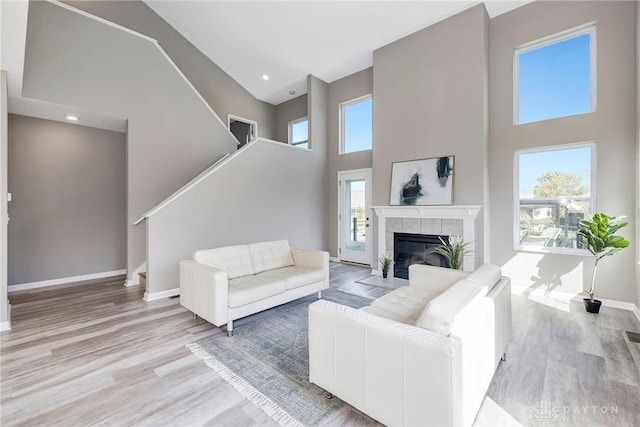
[[276, 193], [345, 89], [430, 100], [637, 156], [68, 208], [4, 301], [223, 93], [172, 135], [293, 109], [317, 107], [612, 127]]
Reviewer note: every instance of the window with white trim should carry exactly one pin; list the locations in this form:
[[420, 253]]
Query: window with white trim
[[356, 125], [555, 191], [299, 132], [556, 77]]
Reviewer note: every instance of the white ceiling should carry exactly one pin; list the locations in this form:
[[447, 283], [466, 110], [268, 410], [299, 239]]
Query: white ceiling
[[288, 40], [13, 33], [285, 39]]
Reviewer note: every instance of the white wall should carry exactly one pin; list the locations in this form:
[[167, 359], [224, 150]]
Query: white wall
[[612, 126], [268, 191]]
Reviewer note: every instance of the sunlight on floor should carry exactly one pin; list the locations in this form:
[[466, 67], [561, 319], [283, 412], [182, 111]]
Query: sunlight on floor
[[492, 414], [558, 302]]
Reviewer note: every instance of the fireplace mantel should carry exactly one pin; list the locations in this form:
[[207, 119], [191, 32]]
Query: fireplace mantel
[[468, 214]]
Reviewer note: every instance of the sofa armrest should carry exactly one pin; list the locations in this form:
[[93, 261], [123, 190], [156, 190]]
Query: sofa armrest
[[398, 374], [435, 279], [204, 290], [312, 259]]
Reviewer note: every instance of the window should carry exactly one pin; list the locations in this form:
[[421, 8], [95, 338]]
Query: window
[[556, 77], [555, 190], [299, 132], [356, 125]]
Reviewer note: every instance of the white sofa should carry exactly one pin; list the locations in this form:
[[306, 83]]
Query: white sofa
[[224, 284], [422, 355]]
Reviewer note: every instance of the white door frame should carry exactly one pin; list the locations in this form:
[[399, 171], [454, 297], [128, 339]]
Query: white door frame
[[367, 175], [252, 123]]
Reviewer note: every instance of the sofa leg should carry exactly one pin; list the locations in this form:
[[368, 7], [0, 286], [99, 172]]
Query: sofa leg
[[195, 316], [504, 357], [230, 328], [328, 396], [319, 294]]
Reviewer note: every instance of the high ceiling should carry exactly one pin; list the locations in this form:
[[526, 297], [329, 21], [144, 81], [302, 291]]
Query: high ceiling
[[287, 40]]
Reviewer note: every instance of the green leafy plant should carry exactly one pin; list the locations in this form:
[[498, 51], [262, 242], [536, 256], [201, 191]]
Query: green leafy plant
[[385, 263], [453, 251], [598, 235]]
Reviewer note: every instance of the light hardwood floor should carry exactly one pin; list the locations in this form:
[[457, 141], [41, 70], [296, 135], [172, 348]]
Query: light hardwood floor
[[96, 354]]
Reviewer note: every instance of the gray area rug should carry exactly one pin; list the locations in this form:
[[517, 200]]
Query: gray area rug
[[267, 360]]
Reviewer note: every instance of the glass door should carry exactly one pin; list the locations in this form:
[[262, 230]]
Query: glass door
[[354, 189]]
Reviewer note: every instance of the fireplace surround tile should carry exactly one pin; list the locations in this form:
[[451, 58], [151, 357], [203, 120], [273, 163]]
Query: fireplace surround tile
[[389, 242], [394, 224], [452, 227], [431, 226], [411, 225]]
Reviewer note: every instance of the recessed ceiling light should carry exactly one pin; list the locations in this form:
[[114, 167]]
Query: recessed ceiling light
[[265, 77], [292, 92], [72, 118]]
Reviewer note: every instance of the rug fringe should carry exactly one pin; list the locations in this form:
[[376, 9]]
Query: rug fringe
[[267, 405]]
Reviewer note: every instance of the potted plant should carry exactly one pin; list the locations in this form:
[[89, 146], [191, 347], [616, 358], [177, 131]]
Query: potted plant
[[598, 235], [453, 251], [385, 263]]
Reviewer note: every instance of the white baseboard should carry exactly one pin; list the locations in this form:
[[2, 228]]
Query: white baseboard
[[6, 325], [334, 259], [162, 294], [64, 280], [566, 296], [135, 275], [636, 311]]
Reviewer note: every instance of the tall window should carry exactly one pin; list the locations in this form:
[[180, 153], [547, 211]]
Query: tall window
[[299, 132], [356, 125], [556, 77], [555, 192]]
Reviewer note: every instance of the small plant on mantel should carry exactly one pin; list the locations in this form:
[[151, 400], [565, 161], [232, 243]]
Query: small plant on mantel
[[385, 263], [598, 235], [453, 251]]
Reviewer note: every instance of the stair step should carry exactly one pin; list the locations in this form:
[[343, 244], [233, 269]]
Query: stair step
[[143, 274]]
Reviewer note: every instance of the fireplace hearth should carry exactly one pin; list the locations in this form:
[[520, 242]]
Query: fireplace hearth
[[409, 248]]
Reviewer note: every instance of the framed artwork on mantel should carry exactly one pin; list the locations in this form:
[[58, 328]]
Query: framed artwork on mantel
[[422, 182]]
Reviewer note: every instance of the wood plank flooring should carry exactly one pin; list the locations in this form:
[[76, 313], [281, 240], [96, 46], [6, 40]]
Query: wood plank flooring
[[97, 354]]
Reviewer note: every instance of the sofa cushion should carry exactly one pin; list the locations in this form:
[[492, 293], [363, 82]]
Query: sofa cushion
[[487, 275], [247, 289], [235, 260], [270, 255], [441, 313], [433, 278], [380, 312], [405, 303], [295, 277]]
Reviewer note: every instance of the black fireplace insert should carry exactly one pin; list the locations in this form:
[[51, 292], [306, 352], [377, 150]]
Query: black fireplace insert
[[411, 248]]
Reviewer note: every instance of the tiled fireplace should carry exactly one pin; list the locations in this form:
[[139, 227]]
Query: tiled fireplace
[[431, 220]]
